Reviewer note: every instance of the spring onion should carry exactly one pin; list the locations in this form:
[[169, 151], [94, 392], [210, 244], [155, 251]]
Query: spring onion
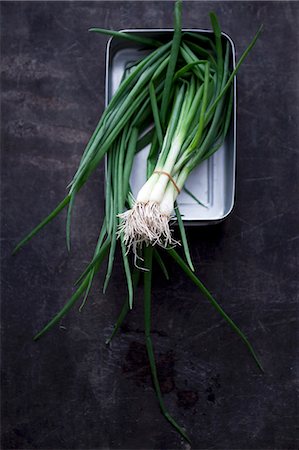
[[178, 100]]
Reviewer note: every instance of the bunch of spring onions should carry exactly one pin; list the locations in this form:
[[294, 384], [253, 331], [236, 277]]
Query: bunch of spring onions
[[178, 100]]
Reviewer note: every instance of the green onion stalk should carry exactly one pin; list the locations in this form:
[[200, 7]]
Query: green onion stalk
[[198, 124], [148, 220]]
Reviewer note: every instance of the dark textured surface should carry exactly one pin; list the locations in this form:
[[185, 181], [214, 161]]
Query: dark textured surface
[[69, 391]]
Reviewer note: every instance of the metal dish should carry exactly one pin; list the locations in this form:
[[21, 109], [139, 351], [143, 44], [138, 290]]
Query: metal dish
[[213, 182]]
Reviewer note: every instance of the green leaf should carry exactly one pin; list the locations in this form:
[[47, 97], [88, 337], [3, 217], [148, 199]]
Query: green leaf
[[174, 52], [129, 36], [70, 303], [90, 276], [156, 113], [148, 258], [125, 308], [193, 197], [211, 299], [160, 261], [183, 237], [42, 224]]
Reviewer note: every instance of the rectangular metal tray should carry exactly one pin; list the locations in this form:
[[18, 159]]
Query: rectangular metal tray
[[213, 182]]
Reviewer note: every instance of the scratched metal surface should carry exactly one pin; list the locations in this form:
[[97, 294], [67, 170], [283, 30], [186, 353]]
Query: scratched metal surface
[[71, 392]]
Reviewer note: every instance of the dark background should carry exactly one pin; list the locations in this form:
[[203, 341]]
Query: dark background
[[69, 391]]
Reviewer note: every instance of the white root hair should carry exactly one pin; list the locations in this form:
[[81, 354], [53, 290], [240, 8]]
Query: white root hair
[[145, 224]]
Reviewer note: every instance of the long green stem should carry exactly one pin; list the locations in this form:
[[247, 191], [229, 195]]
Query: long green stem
[[234, 72], [71, 302], [199, 131], [125, 308], [113, 236], [148, 256], [218, 42], [174, 52], [214, 303], [129, 36], [183, 237], [41, 225], [155, 110], [160, 262]]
